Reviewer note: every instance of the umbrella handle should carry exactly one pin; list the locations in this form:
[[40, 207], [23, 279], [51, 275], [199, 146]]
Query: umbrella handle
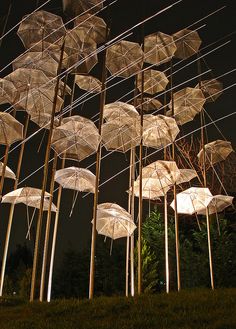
[[73, 203], [30, 224], [111, 246]]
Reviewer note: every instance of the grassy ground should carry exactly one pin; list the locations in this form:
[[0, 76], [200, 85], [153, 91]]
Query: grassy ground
[[188, 309]]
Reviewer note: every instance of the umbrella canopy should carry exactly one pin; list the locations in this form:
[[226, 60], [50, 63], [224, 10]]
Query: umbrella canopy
[[150, 189], [46, 205], [158, 130], [41, 27], [80, 50], [186, 175], [96, 27], [74, 178], [188, 102], [11, 130], [192, 200], [8, 172], [215, 151], [148, 104], [43, 120], [154, 81], [187, 42], [217, 204], [211, 89], [7, 92], [124, 59], [114, 221], [158, 48], [76, 138], [121, 134], [117, 110], [23, 195], [37, 60], [76, 7], [88, 83]]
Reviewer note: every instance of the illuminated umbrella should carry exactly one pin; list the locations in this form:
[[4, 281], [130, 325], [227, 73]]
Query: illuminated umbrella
[[43, 27], [148, 104], [43, 120], [188, 102], [211, 89], [192, 200], [80, 51], [73, 178], [154, 81], [114, 221], [96, 27], [158, 48], [11, 130], [88, 83], [8, 172], [76, 138], [77, 7], [116, 110], [217, 204], [23, 195], [150, 189], [186, 175], [7, 92], [159, 130], [124, 59], [37, 60], [46, 205], [187, 42], [215, 151]]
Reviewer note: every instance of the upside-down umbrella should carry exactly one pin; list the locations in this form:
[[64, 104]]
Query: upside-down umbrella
[[76, 138], [148, 104], [215, 151], [37, 60], [11, 130], [114, 221], [153, 81], [211, 89], [8, 172], [187, 42], [159, 130], [76, 7], [96, 27], [124, 59], [88, 83], [192, 200], [41, 27], [116, 110], [217, 204], [158, 48], [74, 178], [188, 102]]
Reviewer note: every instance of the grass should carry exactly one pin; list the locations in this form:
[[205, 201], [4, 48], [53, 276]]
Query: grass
[[200, 309]]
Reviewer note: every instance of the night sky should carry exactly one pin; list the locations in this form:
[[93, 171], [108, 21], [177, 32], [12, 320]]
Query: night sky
[[75, 231]]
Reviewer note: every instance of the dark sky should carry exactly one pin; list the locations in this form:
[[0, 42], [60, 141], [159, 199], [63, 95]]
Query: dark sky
[[75, 231]]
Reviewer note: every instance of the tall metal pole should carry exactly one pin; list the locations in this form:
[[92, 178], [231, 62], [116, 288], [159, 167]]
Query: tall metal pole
[[11, 213], [45, 175]]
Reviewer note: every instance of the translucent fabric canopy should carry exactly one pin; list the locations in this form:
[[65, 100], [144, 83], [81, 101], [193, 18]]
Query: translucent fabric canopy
[[215, 151], [7, 92], [218, 204], [88, 83], [187, 42], [23, 195], [8, 172], [96, 27], [148, 104], [76, 7], [117, 110], [212, 89], [154, 81], [186, 175], [11, 130], [43, 120]]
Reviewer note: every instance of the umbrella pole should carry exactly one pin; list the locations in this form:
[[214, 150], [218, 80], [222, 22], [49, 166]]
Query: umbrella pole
[[166, 245], [4, 169], [45, 175], [98, 164], [132, 236], [10, 219]]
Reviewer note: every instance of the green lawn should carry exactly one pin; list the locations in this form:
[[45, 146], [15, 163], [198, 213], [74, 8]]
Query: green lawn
[[188, 309]]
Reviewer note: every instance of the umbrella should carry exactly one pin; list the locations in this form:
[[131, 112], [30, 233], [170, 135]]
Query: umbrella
[[187, 42], [76, 7], [192, 200], [73, 178], [119, 109], [186, 175], [150, 189], [215, 151], [217, 204], [148, 104], [11, 129], [76, 138], [7, 92], [114, 221], [43, 120], [159, 130], [41, 27], [37, 60], [88, 83], [158, 48], [23, 195], [154, 81], [124, 59], [188, 102], [96, 27], [211, 89], [8, 172]]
